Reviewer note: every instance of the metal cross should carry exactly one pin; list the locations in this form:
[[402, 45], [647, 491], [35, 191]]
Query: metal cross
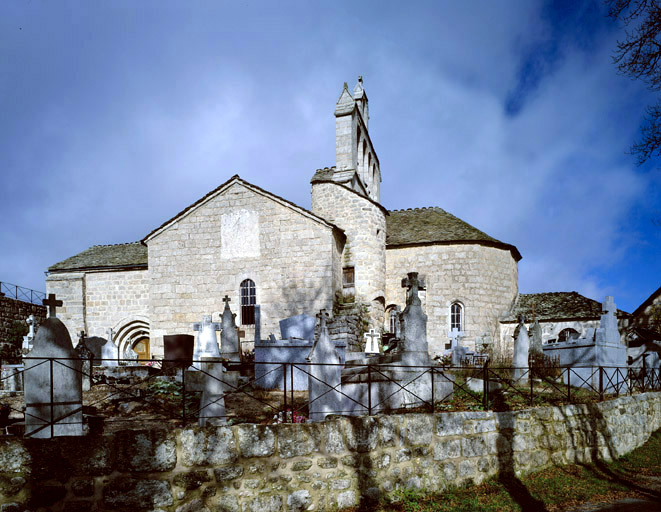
[[82, 336], [51, 303]]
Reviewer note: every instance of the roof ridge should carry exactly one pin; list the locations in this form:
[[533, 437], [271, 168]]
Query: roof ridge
[[114, 245], [419, 208]]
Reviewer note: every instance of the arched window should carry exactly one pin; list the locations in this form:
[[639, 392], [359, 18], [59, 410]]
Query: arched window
[[457, 316], [248, 301], [392, 321], [568, 334]]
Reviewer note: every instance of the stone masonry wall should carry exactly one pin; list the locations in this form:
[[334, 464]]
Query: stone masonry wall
[[114, 299], [70, 289], [110, 299], [288, 255], [364, 224], [324, 466], [483, 279], [12, 310]]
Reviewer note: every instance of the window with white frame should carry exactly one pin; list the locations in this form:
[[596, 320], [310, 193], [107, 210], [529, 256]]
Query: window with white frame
[[457, 316]]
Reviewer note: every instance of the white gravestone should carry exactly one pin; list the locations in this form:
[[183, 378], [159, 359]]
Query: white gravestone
[[207, 342], [521, 352], [29, 338], [608, 332], [109, 351], [372, 342], [53, 356], [212, 404], [458, 352]]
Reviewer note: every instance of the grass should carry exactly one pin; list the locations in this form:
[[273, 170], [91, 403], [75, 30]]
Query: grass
[[637, 474]]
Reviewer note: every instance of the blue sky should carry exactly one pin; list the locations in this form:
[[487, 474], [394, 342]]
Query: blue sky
[[510, 115]]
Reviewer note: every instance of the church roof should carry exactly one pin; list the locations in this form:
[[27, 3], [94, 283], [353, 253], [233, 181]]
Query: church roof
[[556, 306], [129, 256], [650, 300], [422, 226]]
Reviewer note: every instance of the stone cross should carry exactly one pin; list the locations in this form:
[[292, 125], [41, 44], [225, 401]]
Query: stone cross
[[372, 343], [51, 303], [81, 337], [110, 334], [30, 322], [207, 342], [227, 300], [455, 335], [413, 285], [609, 305]]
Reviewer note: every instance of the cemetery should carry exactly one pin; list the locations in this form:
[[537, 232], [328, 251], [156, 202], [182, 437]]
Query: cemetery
[[307, 422]]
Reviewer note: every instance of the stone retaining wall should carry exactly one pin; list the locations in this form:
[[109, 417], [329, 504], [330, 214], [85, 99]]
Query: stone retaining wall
[[12, 310], [324, 466]]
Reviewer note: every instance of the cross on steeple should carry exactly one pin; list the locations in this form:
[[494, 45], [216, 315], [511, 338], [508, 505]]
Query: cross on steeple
[[51, 303]]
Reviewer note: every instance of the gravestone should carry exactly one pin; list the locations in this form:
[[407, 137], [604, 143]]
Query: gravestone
[[325, 375], [229, 338], [178, 350], [608, 332], [521, 352], [414, 347], [29, 338], [207, 342], [109, 351], [130, 356], [11, 378], [258, 323], [95, 344], [86, 357], [212, 404], [53, 355], [536, 349], [299, 326], [458, 351], [372, 342]]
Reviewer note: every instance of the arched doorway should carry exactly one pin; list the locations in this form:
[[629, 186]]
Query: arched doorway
[[134, 333], [141, 347]]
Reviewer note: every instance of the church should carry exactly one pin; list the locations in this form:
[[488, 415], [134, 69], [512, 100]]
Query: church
[[244, 244]]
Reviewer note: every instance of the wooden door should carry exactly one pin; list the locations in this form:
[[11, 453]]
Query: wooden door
[[141, 347]]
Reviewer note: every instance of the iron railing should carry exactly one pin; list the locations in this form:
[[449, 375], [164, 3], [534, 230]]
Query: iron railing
[[475, 388], [13, 291]]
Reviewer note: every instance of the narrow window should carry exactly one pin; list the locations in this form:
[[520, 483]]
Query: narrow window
[[457, 316], [248, 300], [348, 277], [392, 317]]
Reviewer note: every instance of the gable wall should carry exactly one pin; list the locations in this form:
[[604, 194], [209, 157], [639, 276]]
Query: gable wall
[[483, 279], [96, 301], [293, 261]]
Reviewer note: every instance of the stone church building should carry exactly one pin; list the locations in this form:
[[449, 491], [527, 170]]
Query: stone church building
[[246, 243]]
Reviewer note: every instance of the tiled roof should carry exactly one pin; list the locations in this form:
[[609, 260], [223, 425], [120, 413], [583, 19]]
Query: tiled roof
[[435, 225], [130, 255], [555, 306]]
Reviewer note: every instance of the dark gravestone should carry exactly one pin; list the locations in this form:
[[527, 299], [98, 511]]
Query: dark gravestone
[[178, 350], [53, 405], [94, 344], [86, 356]]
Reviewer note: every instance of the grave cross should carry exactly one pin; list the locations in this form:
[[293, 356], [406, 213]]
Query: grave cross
[[227, 300], [413, 285], [30, 322], [110, 334], [609, 305], [81, 337], [372, 343], [51, 303], [455, 334]]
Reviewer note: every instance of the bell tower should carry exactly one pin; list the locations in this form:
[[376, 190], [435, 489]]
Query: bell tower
[[353, 146]]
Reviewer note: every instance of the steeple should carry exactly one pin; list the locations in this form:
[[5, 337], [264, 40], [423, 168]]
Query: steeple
[[353, 146]]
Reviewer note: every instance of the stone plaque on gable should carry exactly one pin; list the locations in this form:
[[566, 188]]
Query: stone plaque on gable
[[239, 235]]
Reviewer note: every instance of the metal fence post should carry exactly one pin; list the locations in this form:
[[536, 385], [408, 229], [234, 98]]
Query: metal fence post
[[644, 370], [183, 397], [369, 389], [485, 385], [531, 384], [284, 387], [432, 390], [568, 384], [291, 387], [601, 384], [52, 399]]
